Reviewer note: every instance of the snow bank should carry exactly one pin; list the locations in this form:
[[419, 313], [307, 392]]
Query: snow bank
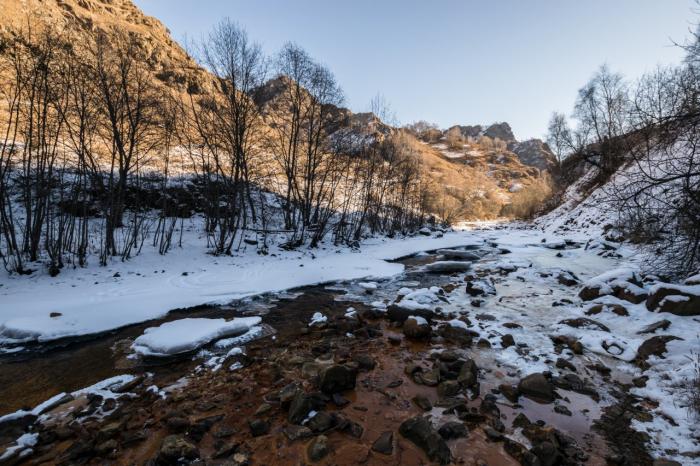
[[98, 299], [181, 336]]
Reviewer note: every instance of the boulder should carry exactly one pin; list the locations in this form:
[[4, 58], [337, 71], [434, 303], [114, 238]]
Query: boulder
[[396, 313], [302, 404], [337, 378], [419, 431], [317, 449], [417, 328], [654, 346], [457, 254], [537, 387], [175, 447], [384, 443], [675, 299], [453, 429], [584, 322], [448, 267], [469, 374]]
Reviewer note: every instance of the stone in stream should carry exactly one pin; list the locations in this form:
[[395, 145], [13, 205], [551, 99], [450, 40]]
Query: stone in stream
[[448, 389], [294, 432], [538, 387], [584, 322], [302, 405], [175, 447], [258, 427], [384, 443], [337, 378], [507, 341], [317, 449], [469, 374], [422, 402], [396, 313], [452, 430], [447, 267], [510, 392], [419, 431], [456, 254], [417, 328]]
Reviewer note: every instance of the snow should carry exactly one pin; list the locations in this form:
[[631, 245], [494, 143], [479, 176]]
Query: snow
[[184, 335], [317, 319], [93, 300], [419, 320], [420, 299], [23, 445]]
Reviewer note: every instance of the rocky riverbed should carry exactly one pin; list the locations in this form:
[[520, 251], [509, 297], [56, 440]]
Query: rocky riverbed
[[479, 355]]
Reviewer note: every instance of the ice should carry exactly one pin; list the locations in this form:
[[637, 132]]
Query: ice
[[181, 336], [317, 319]]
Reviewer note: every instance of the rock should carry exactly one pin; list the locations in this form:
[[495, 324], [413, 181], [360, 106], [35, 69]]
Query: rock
[[452, 430], [564, 364], [448, 388], [538, 387], [665, 462], [337, 378], [175, 447], [422, 402], [384, 444], [589, 293], [618, 309], [520, 453], [419, 431], [288, 392], [507, 340], [521, 421], [317, 448], [176, 424], [483, 343], [510, 392], [654, 346], [459, 335], [294, 432], [652, 328], [258, 427], [492, 434], [302, 405], [429, 378], [452, 254], [567, 278], [416, 328], [396, 313], [339, 400], [561, 409], [448, 356], [468, 374], [584, 322], [364, 361], [678, 300], [321, 422], [105, 448], [447, 267], [111, 430]]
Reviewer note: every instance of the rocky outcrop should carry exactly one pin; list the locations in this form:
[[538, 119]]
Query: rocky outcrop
[[534, 153]]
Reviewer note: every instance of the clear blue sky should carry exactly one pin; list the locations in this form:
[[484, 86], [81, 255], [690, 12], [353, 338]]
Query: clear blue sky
[[456, 62]]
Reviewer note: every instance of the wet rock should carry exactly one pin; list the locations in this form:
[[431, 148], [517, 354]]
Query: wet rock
[[384, 444], [483, 343], [263, 409], [561, 409], [567, 278], [665, 462], [564, 364], [428, 378], [352, 428], [394, 339], [364, 361], [520, 453], [521, 421], [416, 329], [456, 254], [652, 328], [395, 313], [583, 322], [448, 356], [510, 392], [507, 340], [110, 430], [106, 448], [339, 400], [294, 432], [422, 402], [538, 387], [419, 431], [458, 335], [492, 434], [654, 346], [258, 427], [469, 374], [321, 422], [302, 405], [288, 392], [175, 447], [317, 448], [447, 267], [337, 378], [452, 430], [480, 288], [177, 424], [448, 388]]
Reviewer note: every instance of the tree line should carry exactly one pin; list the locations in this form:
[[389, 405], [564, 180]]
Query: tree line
[[99, 158], [650, 126]]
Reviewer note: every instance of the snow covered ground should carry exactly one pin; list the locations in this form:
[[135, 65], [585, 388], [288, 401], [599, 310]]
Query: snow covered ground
[[97, 299]]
